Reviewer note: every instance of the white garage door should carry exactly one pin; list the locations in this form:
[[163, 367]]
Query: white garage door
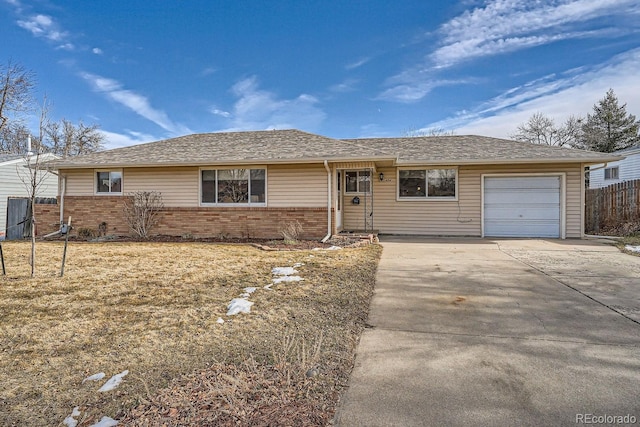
[[527, 206]]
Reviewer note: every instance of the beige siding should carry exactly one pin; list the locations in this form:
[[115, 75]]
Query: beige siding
[[297, 186], [78, 182], [287, 186], [455, 218], [179, 186]]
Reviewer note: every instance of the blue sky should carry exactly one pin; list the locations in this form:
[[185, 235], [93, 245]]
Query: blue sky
[[149, 70]]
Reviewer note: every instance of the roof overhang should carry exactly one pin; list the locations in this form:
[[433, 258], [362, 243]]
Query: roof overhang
[[478, 162], [315, 160], [391, 161]]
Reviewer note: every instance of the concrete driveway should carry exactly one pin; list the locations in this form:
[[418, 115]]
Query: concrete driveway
[[496, 333]]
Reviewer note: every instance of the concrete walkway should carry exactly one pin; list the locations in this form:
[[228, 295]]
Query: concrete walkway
[[497, 333]]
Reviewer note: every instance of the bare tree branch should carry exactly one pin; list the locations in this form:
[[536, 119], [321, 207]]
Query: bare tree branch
[[16, 86]]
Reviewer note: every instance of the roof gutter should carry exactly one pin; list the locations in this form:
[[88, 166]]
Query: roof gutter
[[328, 236], [597, 169]]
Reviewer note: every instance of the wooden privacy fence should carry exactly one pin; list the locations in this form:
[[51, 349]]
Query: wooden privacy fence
[[610, 207]]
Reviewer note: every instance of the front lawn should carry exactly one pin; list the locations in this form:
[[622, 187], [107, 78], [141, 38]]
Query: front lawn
[[153, 309]]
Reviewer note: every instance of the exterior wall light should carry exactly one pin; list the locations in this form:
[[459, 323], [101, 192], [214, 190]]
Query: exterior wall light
[[381, 176]]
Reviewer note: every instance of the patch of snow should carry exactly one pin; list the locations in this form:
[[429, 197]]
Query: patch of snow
[[312, 256], [334, 248], [239, 305], [94, 377], [633, 248], [287, 279], [105, 422], [268, 287], [298, 264], [250, 289], [220, 320], [113, 382], [70, 421], [283, 271]]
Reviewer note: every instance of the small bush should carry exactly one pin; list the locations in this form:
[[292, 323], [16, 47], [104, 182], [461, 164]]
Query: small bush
[[291, 231], [86, 233], [141, 211]]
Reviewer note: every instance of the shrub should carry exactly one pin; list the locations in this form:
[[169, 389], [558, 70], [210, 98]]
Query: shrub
[[86, 233], [141, 211], [291, 231]]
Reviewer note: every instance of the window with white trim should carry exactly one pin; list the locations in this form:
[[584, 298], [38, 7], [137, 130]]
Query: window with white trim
[[357, 181], [233, 186], [109, 182], [427, 183], [612, 173]]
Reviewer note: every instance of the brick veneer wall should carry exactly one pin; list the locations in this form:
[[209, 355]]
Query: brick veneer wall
[[230, 222], [47, 218]]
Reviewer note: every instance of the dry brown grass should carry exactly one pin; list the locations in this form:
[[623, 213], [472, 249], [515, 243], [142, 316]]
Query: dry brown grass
[[151, 308]]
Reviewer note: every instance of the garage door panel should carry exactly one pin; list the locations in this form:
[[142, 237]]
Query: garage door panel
[[525, 196], [522, 206], [549, 212], [518, 229], [540, 182]]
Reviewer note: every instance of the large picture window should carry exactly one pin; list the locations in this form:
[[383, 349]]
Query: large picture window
[[427, 183], [357, 181], [233, 186], [109, 182]]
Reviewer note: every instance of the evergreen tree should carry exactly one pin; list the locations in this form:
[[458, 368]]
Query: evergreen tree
[[610, 127]]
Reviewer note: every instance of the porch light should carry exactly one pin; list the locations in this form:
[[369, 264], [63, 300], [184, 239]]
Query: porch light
[[381, 176]]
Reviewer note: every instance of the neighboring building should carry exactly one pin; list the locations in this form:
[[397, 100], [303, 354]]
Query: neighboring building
[[248, 184], [627, 169], [13, 174]]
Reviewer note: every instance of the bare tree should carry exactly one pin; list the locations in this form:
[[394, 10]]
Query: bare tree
[[233, 185], [33, 179], [66, 139], [141, 211], [16, 86], [435, 131], [13, 138], [540, 129]]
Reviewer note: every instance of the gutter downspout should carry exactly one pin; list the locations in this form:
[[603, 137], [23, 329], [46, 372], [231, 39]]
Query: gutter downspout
[[328, 236], [62, 191], [597, 169]]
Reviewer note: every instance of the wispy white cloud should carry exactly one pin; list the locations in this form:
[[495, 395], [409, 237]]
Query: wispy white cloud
[[137, 103], [66, 46], [357, 63], [117, 140], [256, 108], [509, 25], [347, 85], [411, 92], [97, 51], [208, 71], [559, 96], [219, 112], [43, 26], [505, 26]]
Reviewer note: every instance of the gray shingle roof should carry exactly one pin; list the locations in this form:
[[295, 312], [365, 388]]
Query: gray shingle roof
[[460, 149], [294, 146], [270, 146]]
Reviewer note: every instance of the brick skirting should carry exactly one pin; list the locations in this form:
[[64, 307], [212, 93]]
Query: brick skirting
[[228, 222]]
